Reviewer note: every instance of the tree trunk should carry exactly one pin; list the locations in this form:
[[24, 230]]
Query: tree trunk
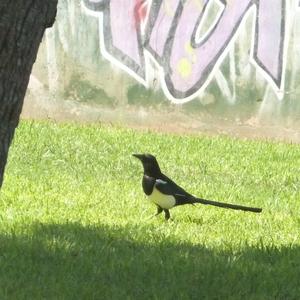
[[22, 25]]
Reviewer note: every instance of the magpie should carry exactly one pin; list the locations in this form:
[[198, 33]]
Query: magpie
[[166, 194]]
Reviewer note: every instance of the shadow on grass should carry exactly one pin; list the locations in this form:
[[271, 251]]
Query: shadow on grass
[[69, 261]]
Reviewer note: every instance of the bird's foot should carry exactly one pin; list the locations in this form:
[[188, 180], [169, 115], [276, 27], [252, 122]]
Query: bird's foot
[[151, 217]]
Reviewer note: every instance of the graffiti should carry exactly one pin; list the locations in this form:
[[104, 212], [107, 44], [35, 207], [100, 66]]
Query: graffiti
[[121, 36], [133, 32]]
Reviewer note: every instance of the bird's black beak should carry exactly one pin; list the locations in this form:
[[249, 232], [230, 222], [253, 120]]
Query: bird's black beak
[[138, 156]]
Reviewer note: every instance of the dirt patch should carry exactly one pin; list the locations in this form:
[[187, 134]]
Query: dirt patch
[[167, 121]]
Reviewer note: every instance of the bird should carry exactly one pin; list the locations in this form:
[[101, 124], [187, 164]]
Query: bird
[[166, 194]]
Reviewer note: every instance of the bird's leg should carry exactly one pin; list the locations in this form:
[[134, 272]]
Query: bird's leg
[[167, 214], [159, 211]]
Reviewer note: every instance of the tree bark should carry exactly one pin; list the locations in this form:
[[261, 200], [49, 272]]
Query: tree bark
[[22, 25]]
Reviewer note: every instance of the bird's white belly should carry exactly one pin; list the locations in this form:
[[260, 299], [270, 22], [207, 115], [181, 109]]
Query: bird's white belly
[[164, 201]]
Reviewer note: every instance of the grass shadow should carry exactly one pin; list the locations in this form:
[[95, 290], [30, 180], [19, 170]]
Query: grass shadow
[[71, 261]]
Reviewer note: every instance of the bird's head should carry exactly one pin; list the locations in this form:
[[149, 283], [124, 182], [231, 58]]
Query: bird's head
[[150, 164]]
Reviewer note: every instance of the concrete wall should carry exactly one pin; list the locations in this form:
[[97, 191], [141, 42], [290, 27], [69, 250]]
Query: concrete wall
[[192, 63]]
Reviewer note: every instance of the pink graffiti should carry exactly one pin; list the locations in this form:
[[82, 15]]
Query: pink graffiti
[[141, 10], [171, 37]]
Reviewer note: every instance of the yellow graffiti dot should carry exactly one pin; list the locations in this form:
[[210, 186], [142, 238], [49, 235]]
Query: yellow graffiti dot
[[188, 48], [199, 4], [184, 67], [168, 8]]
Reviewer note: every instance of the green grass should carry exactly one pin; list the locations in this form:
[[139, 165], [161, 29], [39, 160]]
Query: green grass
[[73, 217]]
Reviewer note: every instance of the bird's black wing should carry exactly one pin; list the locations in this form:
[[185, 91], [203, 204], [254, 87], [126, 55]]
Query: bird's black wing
[[175, 188], [171, 189], [164, 187]]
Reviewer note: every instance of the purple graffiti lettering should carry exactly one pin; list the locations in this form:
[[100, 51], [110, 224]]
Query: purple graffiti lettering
[[188, 63], [161, 18], [122, 32], [269, 37], [172, 36]]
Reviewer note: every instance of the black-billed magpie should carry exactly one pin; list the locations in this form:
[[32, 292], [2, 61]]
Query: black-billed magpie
[[166, 194]]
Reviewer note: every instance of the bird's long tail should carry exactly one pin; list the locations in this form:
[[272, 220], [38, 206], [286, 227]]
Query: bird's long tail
[[226, 205]]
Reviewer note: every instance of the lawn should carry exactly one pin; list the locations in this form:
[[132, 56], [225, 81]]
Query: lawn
[[75, 222]]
